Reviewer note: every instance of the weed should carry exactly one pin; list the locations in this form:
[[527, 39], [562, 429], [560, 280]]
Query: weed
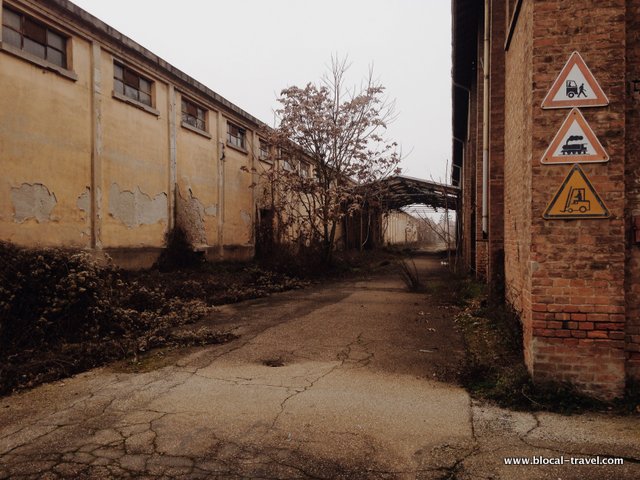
[[410, 275]]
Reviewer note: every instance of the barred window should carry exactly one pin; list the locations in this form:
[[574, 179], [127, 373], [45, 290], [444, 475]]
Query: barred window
[[33, 37], [236, 136], [130, 84], [194, 115]]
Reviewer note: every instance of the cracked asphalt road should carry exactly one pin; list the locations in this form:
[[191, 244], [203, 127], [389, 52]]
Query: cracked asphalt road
[[346, 380]]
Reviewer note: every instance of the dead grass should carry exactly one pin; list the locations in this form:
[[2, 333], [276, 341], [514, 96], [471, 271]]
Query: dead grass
[[494, 368]]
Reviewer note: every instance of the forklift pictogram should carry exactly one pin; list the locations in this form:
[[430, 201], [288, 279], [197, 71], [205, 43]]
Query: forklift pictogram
[[576, 201], [572, 89]]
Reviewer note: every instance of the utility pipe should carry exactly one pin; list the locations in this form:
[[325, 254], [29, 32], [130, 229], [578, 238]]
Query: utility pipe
[[485, 122]]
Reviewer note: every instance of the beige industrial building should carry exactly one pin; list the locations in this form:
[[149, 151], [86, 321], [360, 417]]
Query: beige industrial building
[[105, 146]]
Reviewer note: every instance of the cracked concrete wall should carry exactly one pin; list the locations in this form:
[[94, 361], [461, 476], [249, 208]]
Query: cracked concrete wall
[[45, 151]]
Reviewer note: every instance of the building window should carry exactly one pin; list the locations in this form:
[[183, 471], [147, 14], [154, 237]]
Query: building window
[[288, 165], [128, 83], [305, 170], [33, 37], [194, 115], [236, 136], [264, 150]]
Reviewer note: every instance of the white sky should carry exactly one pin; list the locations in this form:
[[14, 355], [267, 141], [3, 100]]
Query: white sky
[[249, 50]]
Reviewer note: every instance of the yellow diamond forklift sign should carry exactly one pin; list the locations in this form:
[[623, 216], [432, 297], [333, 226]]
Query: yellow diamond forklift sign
[[576, 198]]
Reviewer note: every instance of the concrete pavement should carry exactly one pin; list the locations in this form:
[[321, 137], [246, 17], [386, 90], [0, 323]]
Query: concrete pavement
[[346, 380]]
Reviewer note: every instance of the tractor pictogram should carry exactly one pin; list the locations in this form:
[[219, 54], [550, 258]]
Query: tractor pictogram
[[576, 201]]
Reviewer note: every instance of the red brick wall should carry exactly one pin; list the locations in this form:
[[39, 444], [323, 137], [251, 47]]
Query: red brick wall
[[577, 266], [633, 189], [517, 169], [496, 156]]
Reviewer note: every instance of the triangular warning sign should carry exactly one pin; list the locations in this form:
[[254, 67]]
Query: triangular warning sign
[[575, 87], [576, 198], [575, 142]]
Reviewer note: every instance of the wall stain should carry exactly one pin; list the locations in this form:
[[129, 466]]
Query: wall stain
[[190, 216], [32, 201], [135, 208], [84, 201]]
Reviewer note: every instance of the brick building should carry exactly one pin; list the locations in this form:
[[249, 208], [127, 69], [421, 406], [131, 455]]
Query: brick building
[[573, 278]]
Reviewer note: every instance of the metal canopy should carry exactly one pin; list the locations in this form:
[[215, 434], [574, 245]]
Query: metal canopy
[[400, 191]]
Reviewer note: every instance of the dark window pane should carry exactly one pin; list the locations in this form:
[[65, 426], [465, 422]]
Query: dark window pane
[[55, 40], [145, 98], [35, 31], [34, 48], [184, 106], [191, 109], [201, 114], [11, 19], [56, 57], [118, 86], [131, 79], [11, 37], [145, 86], [131, 92], [117, 71]]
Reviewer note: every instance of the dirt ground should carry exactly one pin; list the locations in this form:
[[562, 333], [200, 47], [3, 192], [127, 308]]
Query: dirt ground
[[350, 379]]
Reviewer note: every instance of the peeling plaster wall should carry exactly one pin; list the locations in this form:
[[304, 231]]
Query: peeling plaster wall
[[238, 202], [137, 208], [32, 201], [197, 190], [135, 167], [190, 216], [84, 169], [45, 151]]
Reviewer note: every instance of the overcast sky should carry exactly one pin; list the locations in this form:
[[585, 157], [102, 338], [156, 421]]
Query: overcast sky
[[249, 50]]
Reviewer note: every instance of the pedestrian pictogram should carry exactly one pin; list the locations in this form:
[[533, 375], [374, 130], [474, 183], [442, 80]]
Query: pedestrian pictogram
[[575, 87], [576, 198], [575, 142]]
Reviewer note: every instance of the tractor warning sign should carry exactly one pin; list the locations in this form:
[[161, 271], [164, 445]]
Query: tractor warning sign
[[576, 198], [575, 87], [575, 142]]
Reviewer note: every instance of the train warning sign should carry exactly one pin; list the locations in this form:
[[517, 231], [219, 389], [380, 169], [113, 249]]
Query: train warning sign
[[576, 199], [575, 87], [575, 142]]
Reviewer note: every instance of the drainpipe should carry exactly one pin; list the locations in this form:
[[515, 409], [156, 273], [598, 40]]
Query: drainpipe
[[485, 122]]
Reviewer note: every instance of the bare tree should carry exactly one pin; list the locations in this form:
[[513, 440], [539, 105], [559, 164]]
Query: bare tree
[[340, 131]]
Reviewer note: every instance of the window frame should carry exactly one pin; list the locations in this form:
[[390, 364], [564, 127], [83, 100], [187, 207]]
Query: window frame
[[132, 81], [62, 68], [128, 73], [263, 146], [198, 122], [241, 130], [305, 169]]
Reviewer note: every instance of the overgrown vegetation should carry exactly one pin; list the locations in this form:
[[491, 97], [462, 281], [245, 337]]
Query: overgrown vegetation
[[62, 313], [494, 369]]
